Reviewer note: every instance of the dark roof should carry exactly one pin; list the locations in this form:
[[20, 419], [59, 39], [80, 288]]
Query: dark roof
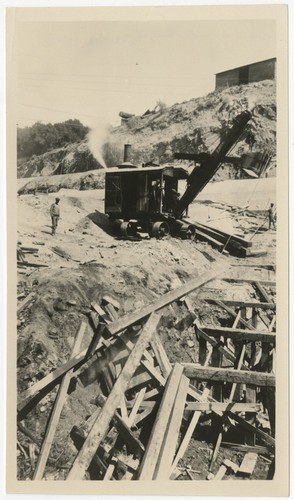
[[244, 65], [178, 172]]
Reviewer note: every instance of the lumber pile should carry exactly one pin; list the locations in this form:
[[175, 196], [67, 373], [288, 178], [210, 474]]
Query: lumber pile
[[22, 252], [148, 408], [225, 242]]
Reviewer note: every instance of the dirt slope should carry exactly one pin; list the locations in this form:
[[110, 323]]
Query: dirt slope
[[192, 126]]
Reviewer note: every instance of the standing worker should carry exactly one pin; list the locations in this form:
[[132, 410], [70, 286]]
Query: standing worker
[[55, 215], [271, 216]]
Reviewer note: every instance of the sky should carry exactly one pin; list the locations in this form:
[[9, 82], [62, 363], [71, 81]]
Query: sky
[[94, 70]]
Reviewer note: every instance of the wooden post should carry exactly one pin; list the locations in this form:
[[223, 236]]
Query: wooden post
[[148, 465], [185, 441], [167, 452], [101, 425], [57, 409], [250, 437]]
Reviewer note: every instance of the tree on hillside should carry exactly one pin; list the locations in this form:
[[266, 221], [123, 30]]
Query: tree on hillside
[[41, 137]]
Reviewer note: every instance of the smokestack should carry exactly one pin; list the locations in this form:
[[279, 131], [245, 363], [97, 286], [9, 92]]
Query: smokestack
[[127, 152]]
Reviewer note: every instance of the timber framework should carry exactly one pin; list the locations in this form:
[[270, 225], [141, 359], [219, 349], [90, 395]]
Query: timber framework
[[150, 409]]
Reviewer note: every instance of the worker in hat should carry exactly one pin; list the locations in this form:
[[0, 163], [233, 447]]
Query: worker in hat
[[55, 215]]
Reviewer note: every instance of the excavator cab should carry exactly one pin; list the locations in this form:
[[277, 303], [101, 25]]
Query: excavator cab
[[143, 194]]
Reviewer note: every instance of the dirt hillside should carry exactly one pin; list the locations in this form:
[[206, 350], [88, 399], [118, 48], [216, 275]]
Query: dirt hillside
[[192, 126]]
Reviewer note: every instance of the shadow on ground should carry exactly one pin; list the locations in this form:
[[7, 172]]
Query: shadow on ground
[[101, 220]]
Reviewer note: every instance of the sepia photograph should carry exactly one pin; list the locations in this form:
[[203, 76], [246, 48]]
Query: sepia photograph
[[147, 250]]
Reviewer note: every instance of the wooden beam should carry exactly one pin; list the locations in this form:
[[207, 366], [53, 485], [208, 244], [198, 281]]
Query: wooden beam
[[233, 313], [142, 378], [237, 303], [189, 432], [57, 409], [25, 302], [266, 438], [224, 350], [100, 426], [243, 448], [136, 405], [154, 372], [239, 334], [248, 464], [161, 355], [263, 292], [228, 406], [195, 371], [168, 449], [165, 300], [148, 465], [141, 416], [252, 281], [123, 429]]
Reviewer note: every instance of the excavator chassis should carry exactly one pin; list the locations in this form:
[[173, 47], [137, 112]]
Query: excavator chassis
[[157, 229]]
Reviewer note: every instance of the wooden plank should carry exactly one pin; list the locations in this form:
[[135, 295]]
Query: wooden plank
[[202, 236], [208, 373], [243, 448], [242, 241], [166, 299], [215, 343], [25, 302], [202, 347], [250, 417], [100, 312], [248, 464], [227, 406], [233, 313], [123, 429], [189, 432], [153, 393], [216, 361], [266, 438], [30, 264], [148, 465], [168, 449], [161, 355], [136, 405], [57, 409], [238, 303], [140, 379], [154, 372], [111, 311], [239, 334], [266, 297], [141, 416], [252, 281], [231, 398], [143, 404], [110, 469], [100, 426], [110, 300]]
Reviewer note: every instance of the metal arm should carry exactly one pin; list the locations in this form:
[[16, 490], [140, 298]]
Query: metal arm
[[210, 163]]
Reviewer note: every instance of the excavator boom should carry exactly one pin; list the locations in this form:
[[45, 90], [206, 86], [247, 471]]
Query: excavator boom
[[210, 163]]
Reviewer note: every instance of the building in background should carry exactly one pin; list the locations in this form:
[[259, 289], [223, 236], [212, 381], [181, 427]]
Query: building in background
[[255, 72]]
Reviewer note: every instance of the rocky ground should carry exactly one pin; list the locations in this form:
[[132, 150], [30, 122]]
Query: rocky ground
[[86, 260], [192, 126]]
